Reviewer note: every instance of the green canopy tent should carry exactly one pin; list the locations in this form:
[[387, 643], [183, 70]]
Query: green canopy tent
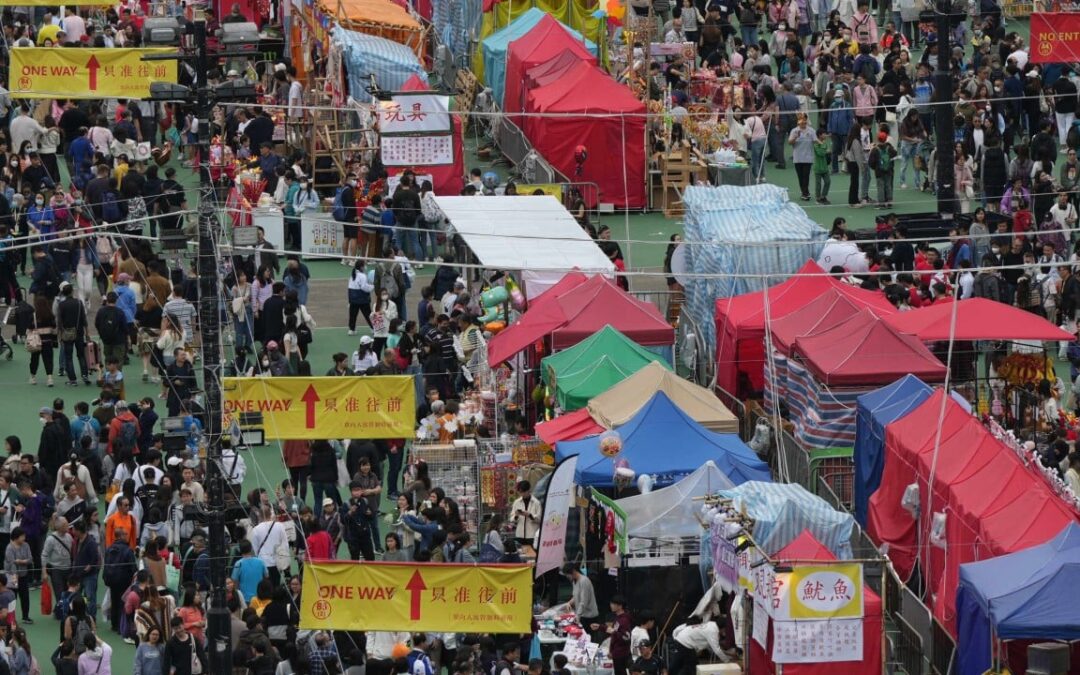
[[593, 366]]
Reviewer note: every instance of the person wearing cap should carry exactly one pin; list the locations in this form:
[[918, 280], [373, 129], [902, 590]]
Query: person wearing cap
[[648, 662], [364, 357], [882, 161]]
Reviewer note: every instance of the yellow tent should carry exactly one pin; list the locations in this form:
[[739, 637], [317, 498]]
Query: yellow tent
[[381, 18], [577, 14]]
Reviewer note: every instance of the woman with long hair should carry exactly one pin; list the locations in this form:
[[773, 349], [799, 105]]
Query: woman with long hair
[[359, 291], [191, 612], [45, 327], [78, 614], [21, 656], [150, 652], [856, 160], [154, 612], [241, 310], [382, 314], [280, 619], [261, 289]]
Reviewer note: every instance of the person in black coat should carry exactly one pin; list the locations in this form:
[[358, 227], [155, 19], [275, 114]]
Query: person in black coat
[[995, 170], [272, 315], [358, 449], [444, 280], [324, 473], [181, 650]]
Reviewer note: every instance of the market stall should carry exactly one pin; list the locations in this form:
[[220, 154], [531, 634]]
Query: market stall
[[365, 56], [986, 498], [672, 512], [831, 622], [448, 178], [592, 366], [571, 316], [644, 442], [547, 40], [740, 322], [1006, 603], [875, 410]]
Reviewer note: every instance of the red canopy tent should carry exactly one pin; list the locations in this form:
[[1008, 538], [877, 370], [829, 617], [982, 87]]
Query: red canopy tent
[[993, 503], [976, 319], [805, 548], [604, 117], [821, 314], [557, 83], [547, 39], [864, 350], [549, 71], [740, 323], [568, 427], [577, 313], [447, 179]]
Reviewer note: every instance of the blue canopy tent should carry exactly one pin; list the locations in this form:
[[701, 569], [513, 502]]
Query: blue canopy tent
[[663, 440], [873, 412], [496, 45], [1020, 596]]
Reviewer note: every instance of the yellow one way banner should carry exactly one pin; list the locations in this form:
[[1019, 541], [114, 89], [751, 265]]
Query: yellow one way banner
[[417, 597], [326, 407], [56, 72]]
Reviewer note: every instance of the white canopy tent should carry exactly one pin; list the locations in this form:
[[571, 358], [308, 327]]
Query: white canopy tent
[[534, 233], [671, 512]]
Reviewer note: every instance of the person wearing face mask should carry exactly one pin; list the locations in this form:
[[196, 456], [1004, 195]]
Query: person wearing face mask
[[305, 199], [347, 197], [382, 314], [42, 218]]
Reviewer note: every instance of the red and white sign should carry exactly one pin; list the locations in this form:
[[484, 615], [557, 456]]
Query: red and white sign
[[1055, 37], [817, 641], [415, 113]]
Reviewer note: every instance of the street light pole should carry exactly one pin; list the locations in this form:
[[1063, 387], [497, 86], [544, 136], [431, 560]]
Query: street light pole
[[218, 625], [943, 116]]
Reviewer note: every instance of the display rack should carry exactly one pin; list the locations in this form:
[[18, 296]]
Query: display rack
[[456, 469]]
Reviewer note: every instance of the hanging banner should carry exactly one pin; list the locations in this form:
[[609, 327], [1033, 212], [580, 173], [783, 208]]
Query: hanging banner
[[313, 408], [417, 150], [421, 112], [817, 641], [1055, 38], [826, 591], [761, 625], [725, 560], [417, 597], [552, 549], [620, 519], [43, 72]]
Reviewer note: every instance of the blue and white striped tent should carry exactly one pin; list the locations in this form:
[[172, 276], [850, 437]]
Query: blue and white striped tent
[[824, 417], [457, 22], [756, 230], [781, 512], [391, 63]]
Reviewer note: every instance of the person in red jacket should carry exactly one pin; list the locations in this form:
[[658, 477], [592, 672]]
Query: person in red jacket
[[117, 437], [320, 547]]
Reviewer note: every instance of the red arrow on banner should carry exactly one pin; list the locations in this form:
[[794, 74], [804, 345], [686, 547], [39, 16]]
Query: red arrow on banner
[[92, 66], [310, 397], [417, 586]]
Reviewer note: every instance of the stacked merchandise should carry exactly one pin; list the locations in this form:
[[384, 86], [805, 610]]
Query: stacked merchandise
[[454, 468]]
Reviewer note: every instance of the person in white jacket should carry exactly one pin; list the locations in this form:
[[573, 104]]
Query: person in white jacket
[[77, 471], [268, 538]]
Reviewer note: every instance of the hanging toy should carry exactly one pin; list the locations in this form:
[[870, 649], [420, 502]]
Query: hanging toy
[[609, 531], [624, 475], [517, 298], [611, 444], [581, 153]]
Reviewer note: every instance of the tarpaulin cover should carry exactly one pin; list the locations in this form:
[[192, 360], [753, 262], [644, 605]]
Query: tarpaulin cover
[[976, 319], [875, 410], [758, 238], [1019, 596], [740, 323], [672, 512], [618, 405], [548, 71], [579, 15], [568, 427], [447, 179], [456, 22], [648, 443], [821, 314], [391, 63], [497, 44], [571, 316], [593, 365], [994, 504], [547, 39], [607, 119], [804, 548], [781, 511], [380, 18], [864, 350]]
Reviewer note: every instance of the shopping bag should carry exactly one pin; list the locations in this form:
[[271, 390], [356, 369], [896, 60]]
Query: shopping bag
[[46, 599]]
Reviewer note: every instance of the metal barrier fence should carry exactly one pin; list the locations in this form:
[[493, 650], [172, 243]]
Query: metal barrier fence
[[516, 147], [943, 654], [922, 638], [906, 648]]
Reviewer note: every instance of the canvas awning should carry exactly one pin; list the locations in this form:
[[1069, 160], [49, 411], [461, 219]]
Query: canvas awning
[[672, 512], [524, 232], [976, 319], [618, 405]]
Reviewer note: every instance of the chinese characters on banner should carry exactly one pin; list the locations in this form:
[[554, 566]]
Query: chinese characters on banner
[[817, 641], [761, 625], [326, 407], [416, 598], [725, 563], [816, 612], [415, 129], [87, 73], [417, 150]]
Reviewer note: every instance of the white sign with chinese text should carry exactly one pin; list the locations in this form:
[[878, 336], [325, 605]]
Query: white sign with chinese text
[[817, 641], [761, 625], [417, 150], [321, 234], [832, 591], [415, 113]]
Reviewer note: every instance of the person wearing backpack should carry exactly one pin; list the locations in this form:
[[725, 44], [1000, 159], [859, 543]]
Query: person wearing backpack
[[123, 433], [71, 326], [344, 211], [118, 569], [109, 322], [882, 161], [863, 25]]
